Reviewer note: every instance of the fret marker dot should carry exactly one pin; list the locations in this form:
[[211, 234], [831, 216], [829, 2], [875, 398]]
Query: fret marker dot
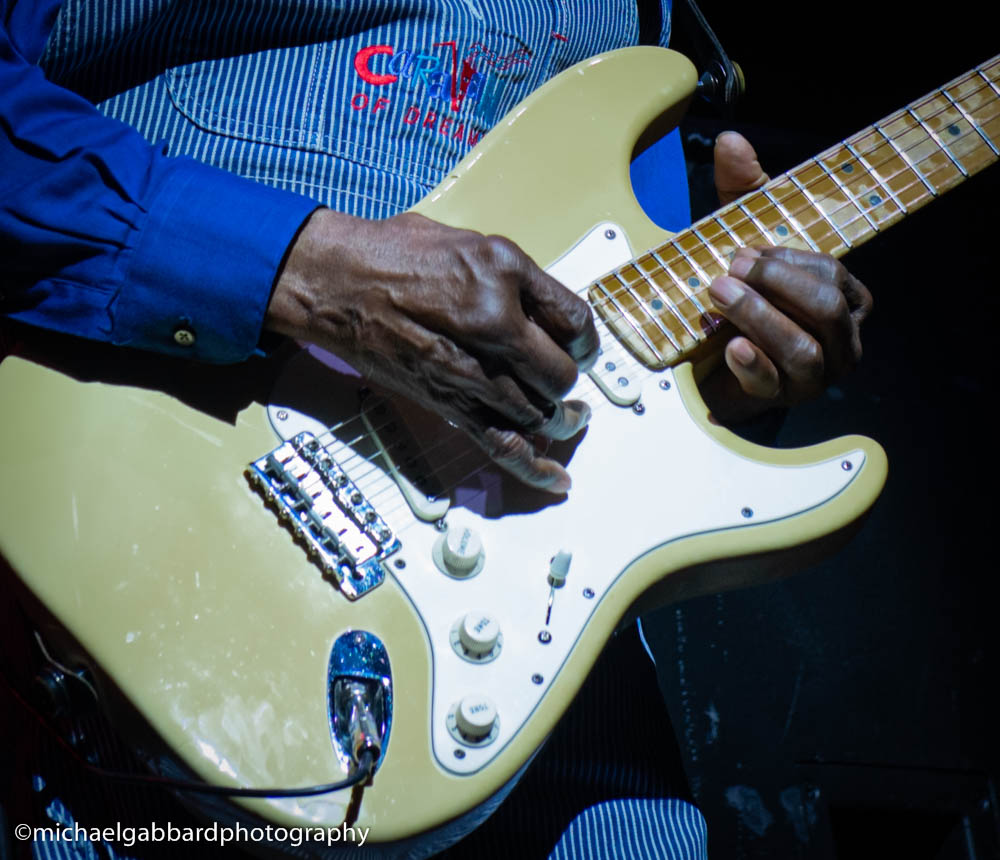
[[874, 200], [782, 230], [954, 130], [694, 282], [847, 168], [610, 365], [657, 305]]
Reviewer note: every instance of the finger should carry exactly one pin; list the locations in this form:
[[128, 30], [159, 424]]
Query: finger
[[754, 371], [859, 299], [567, 418], [517, 455], [816, 303], [737, 169], [796, 354], [541, 363], [565, 317]]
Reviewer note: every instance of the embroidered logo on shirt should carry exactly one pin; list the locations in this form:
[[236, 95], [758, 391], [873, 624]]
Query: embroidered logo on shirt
[[442, 77]]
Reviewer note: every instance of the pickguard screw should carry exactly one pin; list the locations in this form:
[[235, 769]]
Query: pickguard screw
[[400, 563], [282, 415], [459, 753], [588, 593], [537, 679], [747, 512], [847, 465], [610, 234], [545, 637], [638, 409], [665, 384]]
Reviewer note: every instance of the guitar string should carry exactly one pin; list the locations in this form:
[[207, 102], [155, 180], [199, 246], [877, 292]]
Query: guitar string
[[851, 203], [900, 209], [834, 150], [837, 149]]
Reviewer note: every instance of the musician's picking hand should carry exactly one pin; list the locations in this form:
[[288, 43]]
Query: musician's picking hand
[[799, 313], [465, 324]]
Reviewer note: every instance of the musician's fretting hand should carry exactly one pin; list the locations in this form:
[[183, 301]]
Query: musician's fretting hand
[[799, 314], [465, 324]]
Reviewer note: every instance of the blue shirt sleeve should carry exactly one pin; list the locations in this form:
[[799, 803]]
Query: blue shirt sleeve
[[103, 235]]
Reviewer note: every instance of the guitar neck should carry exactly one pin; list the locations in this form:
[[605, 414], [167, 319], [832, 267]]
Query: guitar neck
[[659, 303]]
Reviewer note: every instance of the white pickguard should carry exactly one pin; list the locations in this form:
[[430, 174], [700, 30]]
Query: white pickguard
[[640, 481]]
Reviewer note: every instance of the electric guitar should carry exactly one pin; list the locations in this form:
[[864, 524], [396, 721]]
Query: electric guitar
[[234, 550]]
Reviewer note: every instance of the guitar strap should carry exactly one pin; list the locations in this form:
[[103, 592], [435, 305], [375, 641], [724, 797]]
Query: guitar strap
[[721, 80]]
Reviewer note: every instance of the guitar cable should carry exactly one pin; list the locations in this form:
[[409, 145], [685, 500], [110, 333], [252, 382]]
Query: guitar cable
[[365, 760]]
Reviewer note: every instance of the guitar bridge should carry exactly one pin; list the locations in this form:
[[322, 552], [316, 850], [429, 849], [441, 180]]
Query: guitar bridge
[[342, 533]]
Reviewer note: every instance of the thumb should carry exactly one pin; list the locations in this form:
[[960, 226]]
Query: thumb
[[737, 170]]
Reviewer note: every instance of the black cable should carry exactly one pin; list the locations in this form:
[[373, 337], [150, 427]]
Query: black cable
[[366, 766]]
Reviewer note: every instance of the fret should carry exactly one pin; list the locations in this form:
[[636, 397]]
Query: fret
[[796, 226], [768, 216], [883, 183], [935, 165], [764, 233], [941, 145], [676, 312], [686, 291], [656, 307], [718, 239], [798, 205], [642, 303], [689, 282], [645, 350], [871, 186], [851, 198], [698, 256], [989, 81], [739, 225], [972, 123], [916, 171], [983, 108], [815, 204], [723, 263], [737, 242]]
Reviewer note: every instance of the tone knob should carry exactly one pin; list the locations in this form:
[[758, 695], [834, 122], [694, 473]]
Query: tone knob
[[461, 551], [478, 633], [475, 717]]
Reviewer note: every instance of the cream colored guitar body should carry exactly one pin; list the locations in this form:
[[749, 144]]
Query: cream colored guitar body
[[127, 513]]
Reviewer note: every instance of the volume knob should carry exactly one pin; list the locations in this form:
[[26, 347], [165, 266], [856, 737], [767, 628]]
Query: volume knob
[[461, 551]]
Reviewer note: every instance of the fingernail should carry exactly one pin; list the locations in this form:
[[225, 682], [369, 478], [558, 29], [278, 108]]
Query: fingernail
[[743, 262], [722, 134], [725, 291], [743, 352], [562, 484]]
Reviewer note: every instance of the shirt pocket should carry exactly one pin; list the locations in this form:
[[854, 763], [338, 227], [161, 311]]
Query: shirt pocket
[[408, 99]]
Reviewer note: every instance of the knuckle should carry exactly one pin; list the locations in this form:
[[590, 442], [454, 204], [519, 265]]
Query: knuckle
[[831, 305], [500, 252], [807, 357], [506, 447]]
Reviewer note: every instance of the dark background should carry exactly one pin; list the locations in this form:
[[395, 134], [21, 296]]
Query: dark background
[[849, 712]]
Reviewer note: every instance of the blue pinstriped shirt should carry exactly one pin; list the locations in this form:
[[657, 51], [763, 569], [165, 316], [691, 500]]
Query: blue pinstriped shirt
[[116, 221]]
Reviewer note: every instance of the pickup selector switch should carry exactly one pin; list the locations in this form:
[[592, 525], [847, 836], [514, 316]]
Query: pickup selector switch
[[476, 637]]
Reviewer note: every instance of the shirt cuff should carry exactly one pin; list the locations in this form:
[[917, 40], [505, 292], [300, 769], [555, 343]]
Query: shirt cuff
[[200, 277]]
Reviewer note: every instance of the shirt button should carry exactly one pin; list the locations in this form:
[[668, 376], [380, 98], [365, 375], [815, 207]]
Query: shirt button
[[184, 337]]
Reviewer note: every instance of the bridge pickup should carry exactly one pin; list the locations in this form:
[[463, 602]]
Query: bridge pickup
[[342, 532]]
